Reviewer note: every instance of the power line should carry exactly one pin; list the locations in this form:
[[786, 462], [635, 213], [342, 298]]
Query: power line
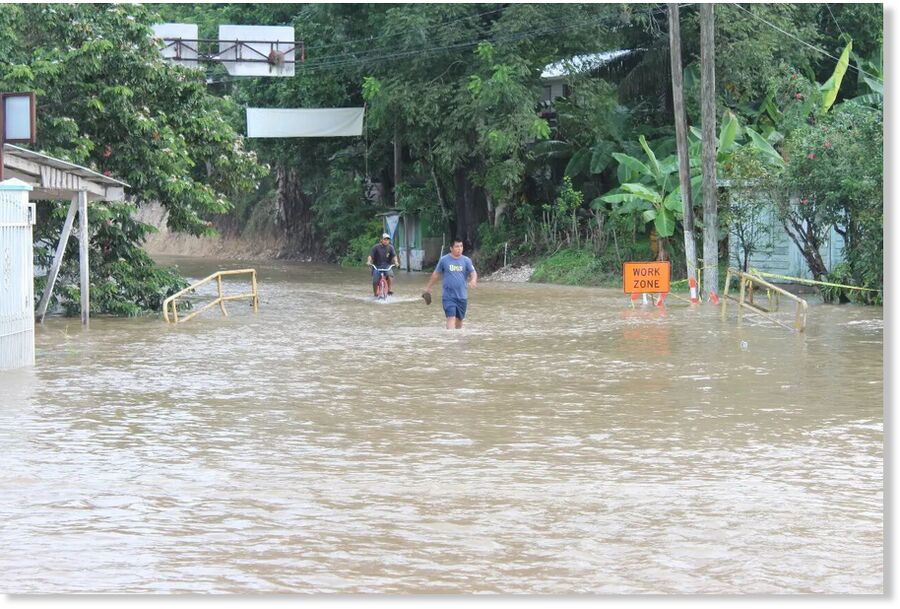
[[828, 6], [815, 48], [336, 61], [372, 39], [346, 60]]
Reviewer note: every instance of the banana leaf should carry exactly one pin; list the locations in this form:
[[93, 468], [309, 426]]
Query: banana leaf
[[654, 165], [729, 132], [833, 84], [553, 149], [578, 163], [765, 148], [665, 223], [673, 201], [632, 164], [601, 155], [642, 192]]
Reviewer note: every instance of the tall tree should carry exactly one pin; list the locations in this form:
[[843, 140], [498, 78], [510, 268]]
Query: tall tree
[[107, 100]]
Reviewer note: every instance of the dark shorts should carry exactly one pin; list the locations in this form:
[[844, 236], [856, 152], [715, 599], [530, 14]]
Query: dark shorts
[[455, 307], [377, 274]]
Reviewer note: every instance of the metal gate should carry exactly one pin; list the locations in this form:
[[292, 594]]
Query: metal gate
[[16, 275]]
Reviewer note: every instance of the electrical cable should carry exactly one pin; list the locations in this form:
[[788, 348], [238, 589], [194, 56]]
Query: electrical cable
[[815, 48]]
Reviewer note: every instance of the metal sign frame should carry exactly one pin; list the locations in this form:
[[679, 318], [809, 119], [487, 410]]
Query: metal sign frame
[[196, 44]]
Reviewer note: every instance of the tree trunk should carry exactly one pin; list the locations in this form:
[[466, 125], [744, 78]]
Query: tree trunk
[[663, 251], [804, 236], [294, 209], [708, 112], [684, 167], [398, 161]]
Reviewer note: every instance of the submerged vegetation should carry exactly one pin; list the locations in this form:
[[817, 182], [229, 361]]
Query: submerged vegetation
[[460, 129]]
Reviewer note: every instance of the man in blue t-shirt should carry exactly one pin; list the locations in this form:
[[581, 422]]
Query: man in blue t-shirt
[[456, 269]]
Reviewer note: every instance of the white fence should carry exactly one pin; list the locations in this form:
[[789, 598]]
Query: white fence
[[16, 276]]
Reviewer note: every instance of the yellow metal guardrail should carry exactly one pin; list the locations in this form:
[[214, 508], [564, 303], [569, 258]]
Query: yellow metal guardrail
[[173, 299], [745, 301]]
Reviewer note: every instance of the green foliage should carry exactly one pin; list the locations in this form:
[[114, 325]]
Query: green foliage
[[835, 171], [124, 279], [457, 87], [360, 246], [655, 193], [339, 213], [107, 100], [573, 267]]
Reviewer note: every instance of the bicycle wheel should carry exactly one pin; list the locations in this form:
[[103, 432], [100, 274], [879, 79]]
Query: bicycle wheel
[[382, 288]]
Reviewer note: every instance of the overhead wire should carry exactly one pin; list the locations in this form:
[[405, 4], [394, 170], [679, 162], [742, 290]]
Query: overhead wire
[[813, 47], [372, 39], [828, 6], [332, 62]]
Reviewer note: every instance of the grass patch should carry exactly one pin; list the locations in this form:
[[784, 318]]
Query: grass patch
[[576, 267]]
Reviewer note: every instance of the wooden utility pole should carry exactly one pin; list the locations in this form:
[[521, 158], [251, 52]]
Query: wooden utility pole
[[708, 165], [684, 162], [398, 161]]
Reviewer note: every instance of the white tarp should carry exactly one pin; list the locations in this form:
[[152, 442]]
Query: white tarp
[[304, 122]]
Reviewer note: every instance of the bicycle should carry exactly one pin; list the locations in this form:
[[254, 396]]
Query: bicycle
[[381, 292]]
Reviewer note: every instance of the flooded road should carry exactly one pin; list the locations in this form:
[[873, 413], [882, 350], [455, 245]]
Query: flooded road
[[562, 442]]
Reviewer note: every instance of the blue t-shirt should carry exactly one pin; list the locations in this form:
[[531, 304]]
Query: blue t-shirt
[[455, 271]]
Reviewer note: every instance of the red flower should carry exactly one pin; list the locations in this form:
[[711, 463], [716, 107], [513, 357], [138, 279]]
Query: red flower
[[793, 77], [798, 96], [828, 144], [804, 200], [810, 156], [106, 172]]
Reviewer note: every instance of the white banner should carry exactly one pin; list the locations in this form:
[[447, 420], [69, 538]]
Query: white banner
[[304, 122]]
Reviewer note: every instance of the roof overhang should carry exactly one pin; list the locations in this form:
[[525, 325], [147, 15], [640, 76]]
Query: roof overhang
[[54, 179], [581, 63]]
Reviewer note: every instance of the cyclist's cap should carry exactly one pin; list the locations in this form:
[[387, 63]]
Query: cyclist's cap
[[385, 236]]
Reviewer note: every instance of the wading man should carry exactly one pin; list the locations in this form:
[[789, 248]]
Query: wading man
[[458, 274]]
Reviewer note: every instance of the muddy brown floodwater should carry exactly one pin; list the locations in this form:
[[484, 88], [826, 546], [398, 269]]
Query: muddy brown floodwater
[[562, 442]]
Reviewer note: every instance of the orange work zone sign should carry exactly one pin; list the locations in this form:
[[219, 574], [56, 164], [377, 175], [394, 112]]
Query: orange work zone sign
[[651, 277]]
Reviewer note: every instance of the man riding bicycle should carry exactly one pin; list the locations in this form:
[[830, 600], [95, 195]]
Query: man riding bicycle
[[381, 255]]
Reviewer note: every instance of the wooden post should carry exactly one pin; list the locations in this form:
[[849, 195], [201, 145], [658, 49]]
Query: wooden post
[[406, 238], [684, 167], [83, 257], [725, 295], [708, 165], [255, 294], [57, 259], [219, 288], [741, 299]]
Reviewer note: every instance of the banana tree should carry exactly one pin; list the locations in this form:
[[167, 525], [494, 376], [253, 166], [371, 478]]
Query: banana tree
[[871, 71], [650, 189]]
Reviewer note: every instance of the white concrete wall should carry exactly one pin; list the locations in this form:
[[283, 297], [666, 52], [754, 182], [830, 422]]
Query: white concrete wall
[[17, 217]]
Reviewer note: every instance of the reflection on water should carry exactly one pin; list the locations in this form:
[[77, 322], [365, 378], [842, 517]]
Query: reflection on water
[[562, 442]]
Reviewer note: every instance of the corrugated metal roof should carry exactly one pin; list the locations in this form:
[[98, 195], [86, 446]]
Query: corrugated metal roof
[[43, 159], [582, 63]]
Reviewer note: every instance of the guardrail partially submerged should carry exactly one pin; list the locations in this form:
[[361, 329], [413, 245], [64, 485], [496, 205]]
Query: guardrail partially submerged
[[173, 299], [745, 301]]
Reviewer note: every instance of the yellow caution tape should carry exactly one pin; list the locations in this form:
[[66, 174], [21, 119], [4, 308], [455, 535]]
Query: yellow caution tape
[[812, 282]]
